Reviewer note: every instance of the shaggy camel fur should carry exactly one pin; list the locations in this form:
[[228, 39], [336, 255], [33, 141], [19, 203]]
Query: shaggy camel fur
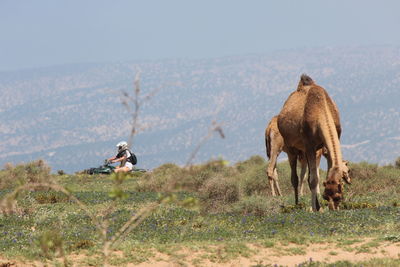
[[308, 121], [274, 146]]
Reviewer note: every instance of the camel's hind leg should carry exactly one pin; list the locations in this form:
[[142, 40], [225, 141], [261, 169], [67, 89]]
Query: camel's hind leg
[[273, 178], [272, 172], [273, 182], [278, 189]]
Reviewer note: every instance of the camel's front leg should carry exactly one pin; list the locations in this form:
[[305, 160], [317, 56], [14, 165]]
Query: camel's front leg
[[303, 174], [294, 178], [313, 179], [318, 155]]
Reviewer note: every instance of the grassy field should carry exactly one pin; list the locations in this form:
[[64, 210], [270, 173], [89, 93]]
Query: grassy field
[[211, 214]]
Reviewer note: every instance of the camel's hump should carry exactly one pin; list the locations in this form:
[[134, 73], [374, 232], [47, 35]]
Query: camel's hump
[[305, 80]]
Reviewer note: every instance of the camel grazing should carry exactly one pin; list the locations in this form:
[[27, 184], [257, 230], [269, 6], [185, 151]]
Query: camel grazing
[[274, 146], [308, 121]]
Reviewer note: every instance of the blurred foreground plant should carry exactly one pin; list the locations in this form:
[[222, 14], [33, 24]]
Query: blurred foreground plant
[[36, 176]]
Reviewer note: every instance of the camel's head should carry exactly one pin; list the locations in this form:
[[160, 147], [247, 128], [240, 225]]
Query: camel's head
[[334, 188], [334, 185]]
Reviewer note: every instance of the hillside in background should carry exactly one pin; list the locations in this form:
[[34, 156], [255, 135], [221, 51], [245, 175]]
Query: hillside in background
[[72, 116]]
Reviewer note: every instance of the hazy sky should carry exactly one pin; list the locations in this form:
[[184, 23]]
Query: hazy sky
[[41, 33]]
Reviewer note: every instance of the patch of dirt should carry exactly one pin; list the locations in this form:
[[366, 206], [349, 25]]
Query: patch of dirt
[[283, 255], [17, 263], [291, 255]]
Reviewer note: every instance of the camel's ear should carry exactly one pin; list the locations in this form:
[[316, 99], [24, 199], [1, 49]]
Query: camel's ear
[[347, 180], [346, 172], [346, 177]]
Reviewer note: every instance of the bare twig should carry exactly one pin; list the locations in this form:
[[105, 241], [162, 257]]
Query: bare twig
[[134, 104], [214, 127]]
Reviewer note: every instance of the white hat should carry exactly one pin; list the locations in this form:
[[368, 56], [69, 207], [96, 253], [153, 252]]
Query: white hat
[[122, 145]]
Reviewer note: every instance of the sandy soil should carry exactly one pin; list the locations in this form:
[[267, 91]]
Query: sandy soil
[[289, 255], [283, 255]]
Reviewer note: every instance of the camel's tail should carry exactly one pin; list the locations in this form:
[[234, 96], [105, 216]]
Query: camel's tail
[[268, 142]]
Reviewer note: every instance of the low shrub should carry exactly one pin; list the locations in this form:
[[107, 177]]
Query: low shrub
[[250, 163], [254, 181], [397, 163], [300, 206], [373, 184], [363, 170], [196, 176], [34, 172], [217, 192], [50, 197], [170, 177], [255, 205], [356, 205], [161, 179], [82, 244]]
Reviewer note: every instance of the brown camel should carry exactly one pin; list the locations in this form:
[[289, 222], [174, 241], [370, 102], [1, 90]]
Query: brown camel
[[274, 146], [308, 121]]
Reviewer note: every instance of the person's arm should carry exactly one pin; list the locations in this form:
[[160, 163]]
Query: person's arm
[[115, 159], [111, 159]]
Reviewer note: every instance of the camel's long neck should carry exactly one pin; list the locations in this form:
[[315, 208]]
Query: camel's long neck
[[330, 136]]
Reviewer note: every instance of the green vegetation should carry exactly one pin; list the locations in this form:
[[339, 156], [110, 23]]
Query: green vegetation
[[213, 207]]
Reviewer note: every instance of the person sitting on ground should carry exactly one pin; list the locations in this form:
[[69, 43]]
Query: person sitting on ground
[[125, 156]]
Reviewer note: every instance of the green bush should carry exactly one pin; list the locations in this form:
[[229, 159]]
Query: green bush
[[363, 170], [256, 205], [373, 184], [218, 191], [34, 172], [170, 177], [254, 181], [397, 163], [197, 175], [221, 187], [161, 179], [50, 197], [213, 166], [250, 163]]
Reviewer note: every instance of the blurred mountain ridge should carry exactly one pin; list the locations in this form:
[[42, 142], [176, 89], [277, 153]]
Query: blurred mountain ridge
[[72, 115]]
